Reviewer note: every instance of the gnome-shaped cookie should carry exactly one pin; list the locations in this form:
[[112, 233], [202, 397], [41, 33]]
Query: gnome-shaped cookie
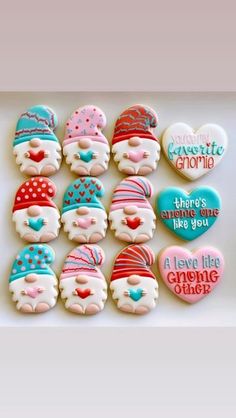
[[32, 282], [82, 284], [131, 215], [134, 145], [133, 285], [83, 214], [37, 149], [85, 147], [34, 212]]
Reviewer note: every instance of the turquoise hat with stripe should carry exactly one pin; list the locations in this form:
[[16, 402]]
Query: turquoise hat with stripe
[[34, 258], [84, 191], [37, 122]]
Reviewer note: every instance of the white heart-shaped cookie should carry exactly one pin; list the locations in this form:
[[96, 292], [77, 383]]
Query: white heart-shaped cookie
[[194, 153]]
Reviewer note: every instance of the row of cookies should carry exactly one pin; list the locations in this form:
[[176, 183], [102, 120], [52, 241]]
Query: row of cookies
[[131, 215], [134, 287], [135, 146]]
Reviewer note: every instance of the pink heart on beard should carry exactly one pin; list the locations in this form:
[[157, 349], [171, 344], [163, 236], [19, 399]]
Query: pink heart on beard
[[32, 292], [136, 156], [191, 276], [84, 223]]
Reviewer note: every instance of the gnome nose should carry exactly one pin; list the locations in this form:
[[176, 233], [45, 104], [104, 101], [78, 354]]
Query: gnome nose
[[81, 279], [84, 143], [135, 141], [35, 142], [133, 280], [34, 210], [82, 211], [130, 210], [30, 278]]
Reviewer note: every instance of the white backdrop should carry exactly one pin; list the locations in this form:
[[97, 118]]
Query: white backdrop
[[218, 309]]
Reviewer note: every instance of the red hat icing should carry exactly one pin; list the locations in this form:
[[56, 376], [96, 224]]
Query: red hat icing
[[137, 120], [35, 191], [134, 259]]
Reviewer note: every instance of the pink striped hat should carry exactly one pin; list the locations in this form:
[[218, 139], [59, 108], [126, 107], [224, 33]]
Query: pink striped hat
[[84, 259], [132, 190], [87, 121]]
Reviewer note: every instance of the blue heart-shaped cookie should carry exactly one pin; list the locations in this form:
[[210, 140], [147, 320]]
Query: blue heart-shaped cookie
[[188, 215], [86, 156], [135, 294], [35, 224]]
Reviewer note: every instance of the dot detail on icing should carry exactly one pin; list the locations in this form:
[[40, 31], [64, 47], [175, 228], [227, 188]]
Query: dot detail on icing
[[23, 190], [23, 268], [34, 195], [44, 185], [26, 196], [32, 266], [30, 190], [18, 198], [27, 256], [27, 183], [39, 189], [35, 183]]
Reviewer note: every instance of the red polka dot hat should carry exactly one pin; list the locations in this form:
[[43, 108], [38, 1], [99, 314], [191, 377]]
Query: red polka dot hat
[[35, 191]]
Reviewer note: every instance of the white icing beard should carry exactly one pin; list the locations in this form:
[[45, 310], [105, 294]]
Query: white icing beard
[[51, 214], [54, 157], [49, 294], [102, 159], [148, 227], [149, 145], [97, 285], [100, 226], [146, 283]]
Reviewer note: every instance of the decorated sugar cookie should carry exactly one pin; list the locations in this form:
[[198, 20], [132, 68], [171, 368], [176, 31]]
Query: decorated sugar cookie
[[83, 215], [36, 147], [35, 214], [82, 284], [133, 285], [191, 275], [135, 147], [131, 215], [188, 215], [194, 153], [85, 147], [32, 282]]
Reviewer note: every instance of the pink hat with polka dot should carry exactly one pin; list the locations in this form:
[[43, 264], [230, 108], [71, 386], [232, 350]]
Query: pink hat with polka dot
[[86, 122], [35, 191]]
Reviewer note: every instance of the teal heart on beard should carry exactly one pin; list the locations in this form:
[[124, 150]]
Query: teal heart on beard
[[36, 224], [188, 215], [86, 156], [135, 294]]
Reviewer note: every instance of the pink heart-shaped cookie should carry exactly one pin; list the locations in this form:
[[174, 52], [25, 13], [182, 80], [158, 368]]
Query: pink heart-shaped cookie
[[84, 223], [136, 156], [32, 292], [191, 276]]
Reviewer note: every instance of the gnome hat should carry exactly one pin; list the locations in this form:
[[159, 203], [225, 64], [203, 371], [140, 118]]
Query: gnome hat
[[34, 258], [87, 121], [132, 190], [134, 259], [83, 192], [137, 120], [84, 260], [37, 122], [35, 191]]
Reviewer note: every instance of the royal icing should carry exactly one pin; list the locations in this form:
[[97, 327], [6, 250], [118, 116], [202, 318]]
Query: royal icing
[[136, 149], [131, 215], [36, 147], [85, 147], [83, 214], [191, 276], [32, 282], [35, 214], [194, 154], [133, 285], [82, 284], [188, 215]]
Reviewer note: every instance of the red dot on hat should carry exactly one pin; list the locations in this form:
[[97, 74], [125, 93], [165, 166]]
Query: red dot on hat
[[30, 260], [39, 251], [87, 120], [69, 136], [76, 112], [76, 127], [31, 248], [19, 262], [39, 262]]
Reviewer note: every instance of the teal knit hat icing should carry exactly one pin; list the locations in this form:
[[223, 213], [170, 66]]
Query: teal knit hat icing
[[34, 258], [83, 192], [37, 122]]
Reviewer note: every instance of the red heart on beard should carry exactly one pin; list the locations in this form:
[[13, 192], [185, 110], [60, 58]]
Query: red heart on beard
[[82, 193], [133, 223], [83, 293], [70, 194], [37, 156], [76, 186]]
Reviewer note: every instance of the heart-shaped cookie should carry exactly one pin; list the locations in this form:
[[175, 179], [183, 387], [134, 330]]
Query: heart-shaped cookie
[[83, 293], [36, 224], [37, 156], [191, 153], [86, 156], [188, 215], [133, 223], [135, 294], [191, 276]]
